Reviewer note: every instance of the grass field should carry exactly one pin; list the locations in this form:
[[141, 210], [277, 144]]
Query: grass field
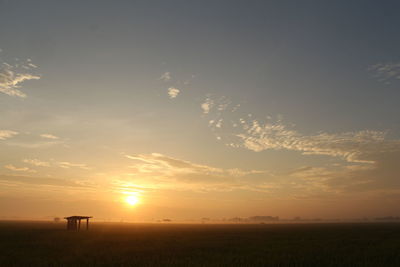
[[49, 244]]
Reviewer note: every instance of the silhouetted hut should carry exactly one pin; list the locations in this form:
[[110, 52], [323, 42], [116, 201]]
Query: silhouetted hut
[[74, 222]]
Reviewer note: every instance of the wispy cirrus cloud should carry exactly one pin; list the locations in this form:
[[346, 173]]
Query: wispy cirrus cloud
[[163, 171], [351, 146], [12, 76], [370, 159], [30, 140], [18, 169], [353, 178], [41, 181], [5, 134], [160, 161], [36, 162], [49, 136], [67, 165], [157, 171], [386, 71], [53, 163], [241, 130]]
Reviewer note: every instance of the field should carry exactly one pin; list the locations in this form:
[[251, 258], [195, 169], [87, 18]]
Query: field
[[105, 244]]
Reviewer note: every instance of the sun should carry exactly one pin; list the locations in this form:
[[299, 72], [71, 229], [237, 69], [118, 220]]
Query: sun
[[132, 200]]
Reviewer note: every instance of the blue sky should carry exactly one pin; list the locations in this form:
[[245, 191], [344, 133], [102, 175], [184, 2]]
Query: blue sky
[[251, 103]]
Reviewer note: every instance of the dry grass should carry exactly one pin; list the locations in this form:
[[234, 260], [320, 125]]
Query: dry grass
[[48, 244]]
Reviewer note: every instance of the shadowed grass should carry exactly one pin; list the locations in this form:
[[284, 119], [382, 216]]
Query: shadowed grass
[[49, 244]]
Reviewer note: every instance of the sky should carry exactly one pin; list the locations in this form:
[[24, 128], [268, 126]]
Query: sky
[[143, 110]]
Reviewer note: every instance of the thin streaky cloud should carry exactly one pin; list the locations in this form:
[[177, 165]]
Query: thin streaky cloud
[[10, 80], [36, 162], [5, 134], [351, 146], [386, 71], [67, 165], [255, 135], [49, 136], [18, 169], [18, 180], [156, 170]]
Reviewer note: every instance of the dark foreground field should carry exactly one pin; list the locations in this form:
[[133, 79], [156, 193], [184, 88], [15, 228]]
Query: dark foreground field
[[48, 244]]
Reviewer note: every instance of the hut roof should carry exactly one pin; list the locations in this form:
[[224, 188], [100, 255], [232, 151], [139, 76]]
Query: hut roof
[[78, 217]]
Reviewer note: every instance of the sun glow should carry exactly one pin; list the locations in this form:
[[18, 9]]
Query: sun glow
[[132, 200]]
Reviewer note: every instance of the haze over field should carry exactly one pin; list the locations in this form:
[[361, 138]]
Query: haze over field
[[141, 110]]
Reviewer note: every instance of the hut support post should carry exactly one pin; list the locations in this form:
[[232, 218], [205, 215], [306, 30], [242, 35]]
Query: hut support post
[[74, 222]]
